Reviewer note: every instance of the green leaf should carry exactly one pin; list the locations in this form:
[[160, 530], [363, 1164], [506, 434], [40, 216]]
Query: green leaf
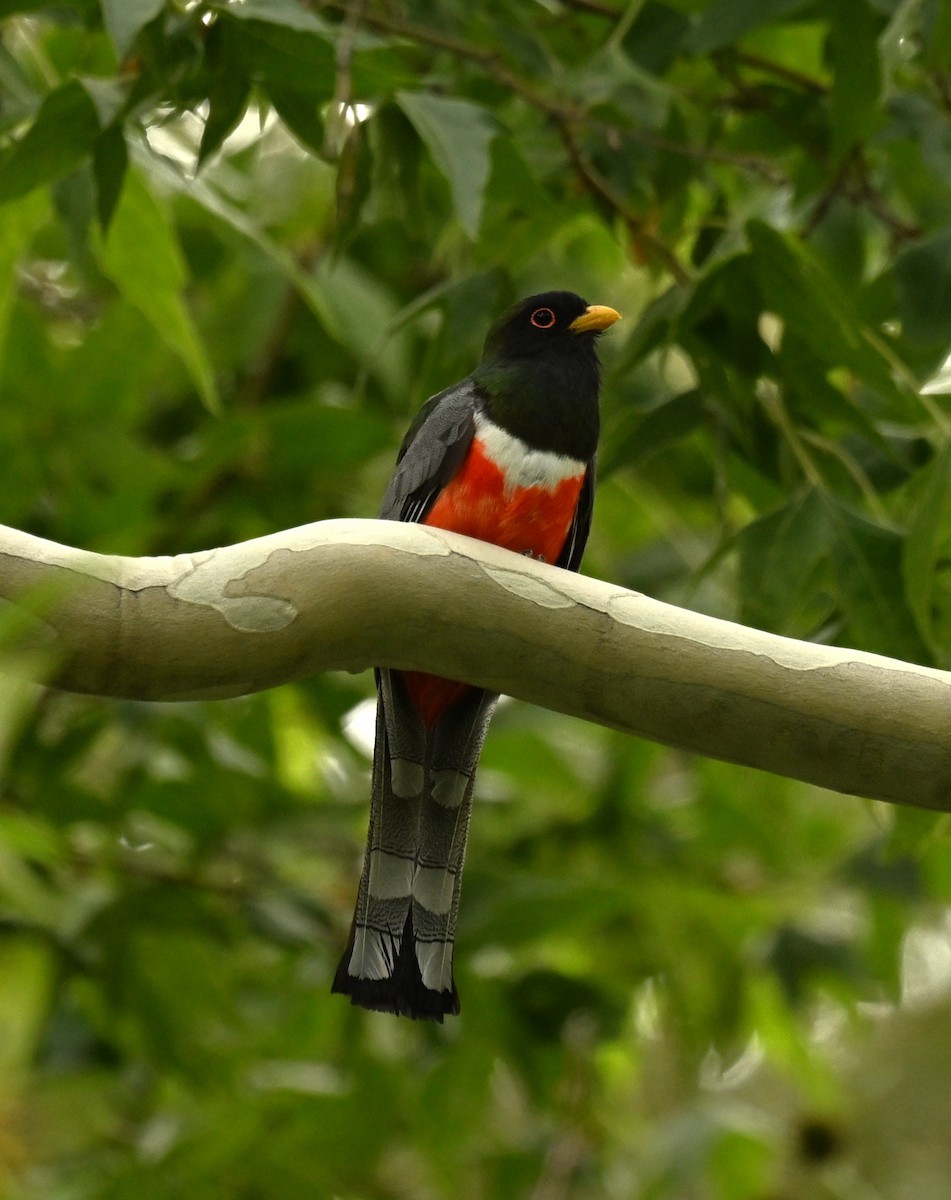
[[61, 137], [349, 303], [159, 960], [354, 181], [9, 7], [610, 76], [124, 18], [285, 14], [927, 538], [516, 908], [293, 55], [937, 48], [26, 894], [303, 436], [228, 85], [27, 975], [795, 286], [923, 280], [300, 114], [656, 36], [810, 395], [779, 557], [656, 324], [646, 433], [867, 559], [20, 98], [142, 257], [18, 223], [108, 97], [457, 135], [357, 312], [856, 74], [109, 162], [724, 21], [723, 313], [75, 202], [227, 101]]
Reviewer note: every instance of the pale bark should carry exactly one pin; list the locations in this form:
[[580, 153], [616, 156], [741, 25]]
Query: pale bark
[[348, 595]]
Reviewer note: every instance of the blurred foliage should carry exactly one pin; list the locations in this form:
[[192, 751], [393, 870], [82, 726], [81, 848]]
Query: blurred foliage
[[239, 244]]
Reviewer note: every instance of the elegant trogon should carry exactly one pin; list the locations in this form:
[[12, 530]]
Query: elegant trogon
[[508, 456]]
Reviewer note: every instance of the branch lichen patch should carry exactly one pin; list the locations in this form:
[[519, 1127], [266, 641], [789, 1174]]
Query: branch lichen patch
[[535, 590], [207, 584]]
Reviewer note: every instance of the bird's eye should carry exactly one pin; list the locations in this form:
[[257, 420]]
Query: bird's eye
[[543, 318]]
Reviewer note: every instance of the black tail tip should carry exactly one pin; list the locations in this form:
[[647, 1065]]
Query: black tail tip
[[402, 992], [389, 996]]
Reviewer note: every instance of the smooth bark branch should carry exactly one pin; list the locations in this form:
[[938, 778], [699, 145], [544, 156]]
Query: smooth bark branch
[[348, 595]]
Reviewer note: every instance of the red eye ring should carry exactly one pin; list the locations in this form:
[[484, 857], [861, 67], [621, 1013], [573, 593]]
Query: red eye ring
[[543, 318]]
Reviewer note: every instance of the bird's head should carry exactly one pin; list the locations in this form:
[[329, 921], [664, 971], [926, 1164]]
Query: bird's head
[[550, 324], [539, 371]]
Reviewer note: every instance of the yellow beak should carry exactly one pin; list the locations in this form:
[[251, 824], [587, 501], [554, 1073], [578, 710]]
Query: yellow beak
[[594, 317]]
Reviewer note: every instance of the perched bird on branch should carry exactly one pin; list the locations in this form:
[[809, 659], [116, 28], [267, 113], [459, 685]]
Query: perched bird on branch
[[508, 456]]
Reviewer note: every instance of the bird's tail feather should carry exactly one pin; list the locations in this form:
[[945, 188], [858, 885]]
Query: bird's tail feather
[[399, 957]]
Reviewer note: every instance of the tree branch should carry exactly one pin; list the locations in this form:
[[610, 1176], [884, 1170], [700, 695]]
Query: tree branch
[[351, 594]]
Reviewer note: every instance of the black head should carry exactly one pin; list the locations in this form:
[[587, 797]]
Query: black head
[[546, 324], [539, 371]]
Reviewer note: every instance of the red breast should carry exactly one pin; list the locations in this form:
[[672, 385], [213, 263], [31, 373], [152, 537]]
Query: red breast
[[487, 499], [481, 502]]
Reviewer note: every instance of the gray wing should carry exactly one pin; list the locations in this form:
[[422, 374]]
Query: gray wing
[[432, 452]]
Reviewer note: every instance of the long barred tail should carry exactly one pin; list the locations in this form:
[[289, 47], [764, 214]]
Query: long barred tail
[[399, 957]]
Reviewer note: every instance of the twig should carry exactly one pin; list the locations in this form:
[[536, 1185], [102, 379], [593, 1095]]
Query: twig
[[569, 117], [604, 190], [774, 407], [596, 7], [566, 117], [337, 129], [834, 450], [553, 108], [797, 78], [852, 182], [753, 163], [489, 60]]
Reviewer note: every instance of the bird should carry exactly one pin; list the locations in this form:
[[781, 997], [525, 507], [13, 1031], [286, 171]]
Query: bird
[[506, 455]]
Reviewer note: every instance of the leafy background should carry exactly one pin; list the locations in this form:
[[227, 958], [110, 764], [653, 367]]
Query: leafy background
[[239, 245]]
